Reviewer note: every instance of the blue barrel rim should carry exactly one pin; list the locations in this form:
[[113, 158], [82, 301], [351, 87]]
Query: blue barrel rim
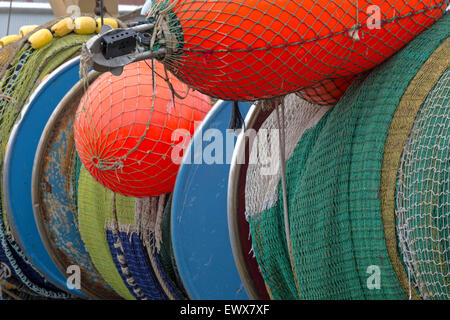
[[188, 283], [61, 110], [40, 89], [253, 116]]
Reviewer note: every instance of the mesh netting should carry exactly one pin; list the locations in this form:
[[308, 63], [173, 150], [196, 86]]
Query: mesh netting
[[327, 92], [250, 50], [95, 204], [126, 128], [261, 189], [423, 196], [122, 235], [336, 224]]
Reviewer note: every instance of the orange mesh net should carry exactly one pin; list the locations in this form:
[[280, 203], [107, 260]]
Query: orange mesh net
[[257, 49], [125, 129]]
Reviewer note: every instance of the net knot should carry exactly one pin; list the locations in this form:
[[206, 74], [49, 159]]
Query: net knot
[[354, 32], [86, 62], [105, 165]]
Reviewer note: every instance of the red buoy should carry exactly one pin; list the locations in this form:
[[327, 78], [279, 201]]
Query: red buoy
[[124, 130], [257, 49]]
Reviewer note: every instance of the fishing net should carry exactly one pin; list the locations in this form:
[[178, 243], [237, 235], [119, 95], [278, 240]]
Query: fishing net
[[123, 236], [94, 206], [128, 126], [423, 195], [264, 171], [338, 230], [25, 69], [250, 50], [130, 255], [399, 131], [327, 92]]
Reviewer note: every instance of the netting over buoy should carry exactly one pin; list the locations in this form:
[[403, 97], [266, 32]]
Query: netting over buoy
[[327, 92], [250, 50], [124, 128]]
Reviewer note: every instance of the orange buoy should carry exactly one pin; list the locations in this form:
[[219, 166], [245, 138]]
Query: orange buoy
[[124, 136], [254, 49]]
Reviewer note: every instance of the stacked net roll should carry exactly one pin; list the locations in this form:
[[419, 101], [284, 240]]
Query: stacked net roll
[[423, 196], [124, 238], [341, 173], [251, 50], [23, 70]]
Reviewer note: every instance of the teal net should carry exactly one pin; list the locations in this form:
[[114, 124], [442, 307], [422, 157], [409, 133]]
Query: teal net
[[338, 244]]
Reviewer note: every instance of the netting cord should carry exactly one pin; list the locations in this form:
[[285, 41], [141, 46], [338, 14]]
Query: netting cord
[[167, 80], [280, 110], [162, 26], [2, 96], [118, 245]]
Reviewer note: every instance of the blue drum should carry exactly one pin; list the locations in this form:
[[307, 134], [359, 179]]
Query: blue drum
[[201, 243], [17, 174]]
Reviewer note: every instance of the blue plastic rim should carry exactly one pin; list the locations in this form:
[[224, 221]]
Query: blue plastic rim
[[200, 236], [17, 174]]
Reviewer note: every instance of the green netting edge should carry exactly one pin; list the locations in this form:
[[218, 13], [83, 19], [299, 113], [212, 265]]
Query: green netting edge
[[400, 128], [335, 207]]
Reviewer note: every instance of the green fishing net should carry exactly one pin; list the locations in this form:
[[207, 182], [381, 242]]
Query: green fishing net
[[334, 202]]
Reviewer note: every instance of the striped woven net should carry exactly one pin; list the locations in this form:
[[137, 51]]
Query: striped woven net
[[94, 203], [23, 70], [124, 238], [251, 50], [340, 184]]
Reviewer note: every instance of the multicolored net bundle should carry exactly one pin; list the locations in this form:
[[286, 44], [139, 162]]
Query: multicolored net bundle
[[26, 68], [347, 218], [250, 50], [123, 236]]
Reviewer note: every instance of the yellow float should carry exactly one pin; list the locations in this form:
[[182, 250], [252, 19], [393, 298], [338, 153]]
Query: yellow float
[[8, 39], [40, 38], [63, 27], [85, 25], [109, 21], [24, 30]]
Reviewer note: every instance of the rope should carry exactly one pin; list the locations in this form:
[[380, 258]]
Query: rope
[[9, 17]]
